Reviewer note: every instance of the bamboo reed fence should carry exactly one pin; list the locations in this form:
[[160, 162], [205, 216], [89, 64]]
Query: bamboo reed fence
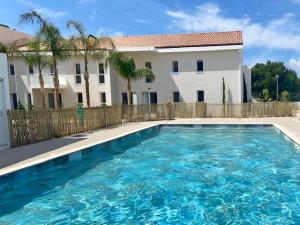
[[30, 127]]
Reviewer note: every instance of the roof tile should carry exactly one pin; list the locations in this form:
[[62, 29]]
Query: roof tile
[[180, 40]]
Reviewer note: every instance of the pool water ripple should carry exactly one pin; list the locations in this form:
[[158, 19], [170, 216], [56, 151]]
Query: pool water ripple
[[166, 175]]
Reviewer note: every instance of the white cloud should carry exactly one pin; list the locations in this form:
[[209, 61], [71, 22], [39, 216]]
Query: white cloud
[[118, 33], [295, 1], [43, 10], [295, 65], [262, 58], [110, 32], [142, 21], [282, 33]]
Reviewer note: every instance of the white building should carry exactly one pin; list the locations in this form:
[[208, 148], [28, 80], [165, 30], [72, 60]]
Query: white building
[[188, 68], [4, 102]]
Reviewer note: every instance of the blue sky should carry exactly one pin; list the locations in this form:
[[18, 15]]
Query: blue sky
[[271, 27]]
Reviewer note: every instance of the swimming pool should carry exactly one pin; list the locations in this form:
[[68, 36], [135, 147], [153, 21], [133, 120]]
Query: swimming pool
[[163, 175]]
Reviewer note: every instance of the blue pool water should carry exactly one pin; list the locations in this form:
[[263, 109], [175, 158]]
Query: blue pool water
[[163, 175]]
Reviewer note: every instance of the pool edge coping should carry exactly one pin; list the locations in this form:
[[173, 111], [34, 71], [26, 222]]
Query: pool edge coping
[[53, 155]]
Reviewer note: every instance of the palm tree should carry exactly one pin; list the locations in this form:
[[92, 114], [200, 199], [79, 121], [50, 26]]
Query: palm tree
[[87, 45], [37, 58], [126, 68], [52, 41], [3, 48]]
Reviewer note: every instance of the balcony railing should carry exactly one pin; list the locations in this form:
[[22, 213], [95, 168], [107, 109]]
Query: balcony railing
[[48, 81]]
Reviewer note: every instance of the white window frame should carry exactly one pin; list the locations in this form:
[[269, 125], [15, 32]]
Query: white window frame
[[77, 75], [180, 99], [12, 64], [101, 74], [172, 72], [77, 97], [100, 95], [199, 72], [197, 95]]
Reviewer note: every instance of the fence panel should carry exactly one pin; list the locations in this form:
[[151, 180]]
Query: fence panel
[[264, 109], [30, 127]]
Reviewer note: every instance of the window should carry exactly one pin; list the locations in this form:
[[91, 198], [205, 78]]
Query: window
[[101, 73], [148, 65], [78, 73], [78, 79], [12, 69], [51, 69], [199, 65], [79, 98], [29, 101], [153, 97], [30, 69], [145, 98], [103, 98], [176, 96], [124, 98], [77, 67], [175, 67], [60, 100], [14, 100], [51, 100], [200, 96]]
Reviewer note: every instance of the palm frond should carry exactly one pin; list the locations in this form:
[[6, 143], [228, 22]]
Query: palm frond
[[126, 68], [35, 56], [33, 17], [143, 72], [80, 29], [12, 49]]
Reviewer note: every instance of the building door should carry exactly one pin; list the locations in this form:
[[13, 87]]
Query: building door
[[133, 98], [153, 97], [51, 100], [145, 98], [3, 119]]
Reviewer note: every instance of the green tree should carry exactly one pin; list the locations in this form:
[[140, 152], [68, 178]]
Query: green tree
[[245, 98], [264, 77], [285, 96], [37, 58], [52, 42], [126, 68], [3, 48], [87, 45], [265, 95]]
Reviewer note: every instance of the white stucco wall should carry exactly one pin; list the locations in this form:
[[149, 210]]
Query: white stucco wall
[[217, 64], [20, 83], [4, 102]]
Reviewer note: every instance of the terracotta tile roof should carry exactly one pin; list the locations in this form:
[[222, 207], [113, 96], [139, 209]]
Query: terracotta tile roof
[[8, 36], [180, 40]]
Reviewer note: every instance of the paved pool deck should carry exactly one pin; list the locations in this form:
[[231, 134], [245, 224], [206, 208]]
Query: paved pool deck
[[21, 157]]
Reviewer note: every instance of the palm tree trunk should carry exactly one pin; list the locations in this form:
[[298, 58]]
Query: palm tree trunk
[[56, 83], [129, 91], [42, 86], [86, 78], [129, 100]]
